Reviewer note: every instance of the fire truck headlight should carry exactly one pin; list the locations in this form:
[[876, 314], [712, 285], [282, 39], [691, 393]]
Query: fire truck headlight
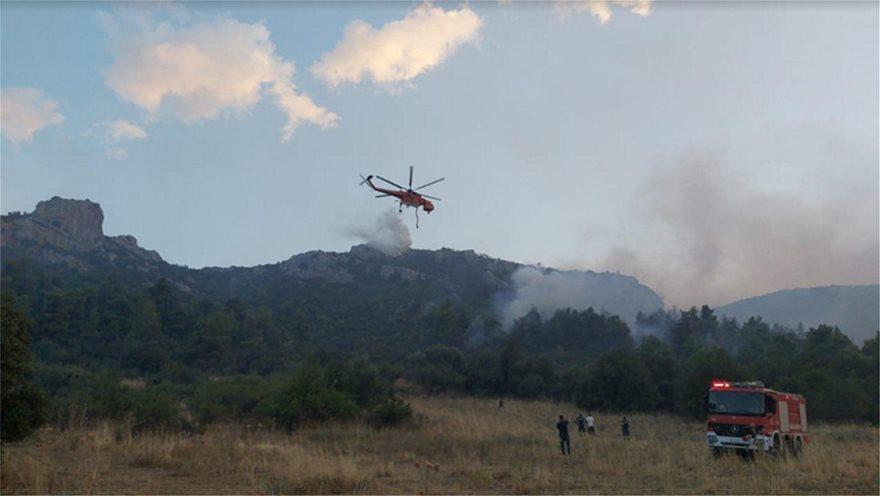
[[713, 439]]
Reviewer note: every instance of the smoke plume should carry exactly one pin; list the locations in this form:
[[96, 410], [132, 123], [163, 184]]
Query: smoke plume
[[551, 290], [388, 234], [706, 233]]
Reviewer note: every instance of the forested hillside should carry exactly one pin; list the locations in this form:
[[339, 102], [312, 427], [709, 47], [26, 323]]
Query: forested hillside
[[117, 331], [102, 301]]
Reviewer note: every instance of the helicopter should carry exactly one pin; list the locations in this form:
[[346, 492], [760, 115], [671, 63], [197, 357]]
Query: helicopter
[[406, 197]]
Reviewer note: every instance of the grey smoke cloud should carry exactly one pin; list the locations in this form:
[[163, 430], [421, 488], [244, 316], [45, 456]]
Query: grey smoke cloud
[[704, 231], [387, 234], [551, 290]]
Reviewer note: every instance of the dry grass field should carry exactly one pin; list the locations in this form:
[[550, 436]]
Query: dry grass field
[[471, 445]]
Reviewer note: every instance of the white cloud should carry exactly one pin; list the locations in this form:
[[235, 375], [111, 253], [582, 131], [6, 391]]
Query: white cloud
[[400, 50], [122, 129], [117, 153], [637, 7], [199, 71], [118, 130], [24, 111], [602, 8]]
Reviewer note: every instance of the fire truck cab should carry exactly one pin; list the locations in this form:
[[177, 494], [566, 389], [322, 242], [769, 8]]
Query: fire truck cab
[[748, 417]]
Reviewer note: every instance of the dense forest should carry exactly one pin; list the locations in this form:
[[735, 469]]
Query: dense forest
[[158, 355]]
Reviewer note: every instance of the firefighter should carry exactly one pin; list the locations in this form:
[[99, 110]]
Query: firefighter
[[564, 440], [582, 424], [624, 428]]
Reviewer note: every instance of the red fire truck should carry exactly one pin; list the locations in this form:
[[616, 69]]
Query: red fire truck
[[747, 417]]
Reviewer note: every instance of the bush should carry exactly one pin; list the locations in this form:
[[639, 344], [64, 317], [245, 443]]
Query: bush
[[22, 413], [331, 390], [234, 398], [314, 404], [390, 413], [155, 410]]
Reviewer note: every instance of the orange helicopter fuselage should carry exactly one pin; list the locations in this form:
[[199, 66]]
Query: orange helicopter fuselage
[[408, 198]]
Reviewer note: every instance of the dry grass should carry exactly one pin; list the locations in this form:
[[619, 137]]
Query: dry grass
[[476, 449]]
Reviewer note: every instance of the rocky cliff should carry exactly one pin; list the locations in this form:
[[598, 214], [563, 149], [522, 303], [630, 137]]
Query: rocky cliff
[[70, 232]]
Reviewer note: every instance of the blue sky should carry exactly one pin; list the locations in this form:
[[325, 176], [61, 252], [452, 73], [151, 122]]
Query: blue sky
[[702, 147]]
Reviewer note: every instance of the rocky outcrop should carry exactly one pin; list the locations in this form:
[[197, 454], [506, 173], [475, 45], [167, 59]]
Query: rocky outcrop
[[332, 267], [67, 224], [70, 232], [129, 243]]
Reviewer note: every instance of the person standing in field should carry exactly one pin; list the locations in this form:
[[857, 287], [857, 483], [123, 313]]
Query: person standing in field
[[582, 424], [624, 427], [591, 424], [564, 440]]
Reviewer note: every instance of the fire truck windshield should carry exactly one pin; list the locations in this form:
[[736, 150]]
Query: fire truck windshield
[[736, 403]]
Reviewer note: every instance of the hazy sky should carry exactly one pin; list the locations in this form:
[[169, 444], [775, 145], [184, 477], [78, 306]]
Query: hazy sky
[[716, 150]]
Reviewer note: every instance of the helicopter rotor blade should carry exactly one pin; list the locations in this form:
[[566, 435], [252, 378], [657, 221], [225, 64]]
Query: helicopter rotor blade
[[363, 179], [390, 182], [429, 184], [432, 197], [410, 176]]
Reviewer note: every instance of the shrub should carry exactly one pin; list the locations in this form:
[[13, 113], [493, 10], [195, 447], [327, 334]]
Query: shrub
[[331, 390], [155, 410], [390, 413], [228, 399]]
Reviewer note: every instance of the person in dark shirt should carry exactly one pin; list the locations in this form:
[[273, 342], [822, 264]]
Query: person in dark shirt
[[582, 424], [564, 440], [624, 427]]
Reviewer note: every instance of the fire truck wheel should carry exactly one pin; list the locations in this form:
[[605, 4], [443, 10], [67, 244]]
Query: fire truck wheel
[[798, 446], [777, 449], [791, 447]]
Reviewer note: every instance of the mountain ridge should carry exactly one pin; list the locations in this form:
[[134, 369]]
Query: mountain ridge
[[853, 308], [69, 233]]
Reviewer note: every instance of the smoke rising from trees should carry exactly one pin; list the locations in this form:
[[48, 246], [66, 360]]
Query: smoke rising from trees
[[387, 234], [708, 233], [551, 290]]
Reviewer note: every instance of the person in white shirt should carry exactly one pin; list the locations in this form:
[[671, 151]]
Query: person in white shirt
[[591, 424]]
